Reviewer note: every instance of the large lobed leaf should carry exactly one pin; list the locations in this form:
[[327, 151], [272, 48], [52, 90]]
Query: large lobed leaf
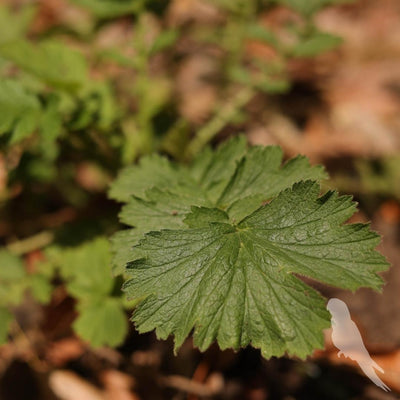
[[159, 194], [228, 238]]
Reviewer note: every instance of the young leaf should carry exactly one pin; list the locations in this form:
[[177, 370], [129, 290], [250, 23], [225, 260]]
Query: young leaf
[[87, 269], [235, 283], [102, 323]]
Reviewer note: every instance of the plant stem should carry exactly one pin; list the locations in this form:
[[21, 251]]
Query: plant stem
[[224, 115], [35, 242]]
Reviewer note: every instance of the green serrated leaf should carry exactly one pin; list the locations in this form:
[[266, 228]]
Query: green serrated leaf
[[260, 176], [236, 283], [219, 168], [202, 216], [122, 243], [229, 178], [163, 209], [102, 323], [135, 180]]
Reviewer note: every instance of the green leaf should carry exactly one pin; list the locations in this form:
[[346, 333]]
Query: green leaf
[[228, 237], [164, 40], [19, 110], [12, 279], [316, 44], [40, 287], [305, 7], [14, 25], [163, 209], [309, 7], [11, 267], [152, 170], [160, 194], [260, 32], [50, 128], [238, 283], [260, 176], [5, 321], [52, 62], [110, 8], [122, 243], [202, 216], [87, 269], [102, 323]]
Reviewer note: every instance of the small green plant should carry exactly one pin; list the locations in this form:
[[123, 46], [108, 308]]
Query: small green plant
[[70, 103], [219, 247], [85, 269], [14, 282]]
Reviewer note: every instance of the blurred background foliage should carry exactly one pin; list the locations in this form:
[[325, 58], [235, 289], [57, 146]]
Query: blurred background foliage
[[89, 86]]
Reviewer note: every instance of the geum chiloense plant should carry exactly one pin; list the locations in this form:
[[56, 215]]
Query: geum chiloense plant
[[218, 246]]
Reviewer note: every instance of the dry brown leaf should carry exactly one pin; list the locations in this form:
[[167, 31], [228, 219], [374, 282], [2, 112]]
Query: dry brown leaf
[[118, 385]]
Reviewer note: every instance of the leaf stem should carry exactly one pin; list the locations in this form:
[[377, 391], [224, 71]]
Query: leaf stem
[[224, 115], [35, 242]]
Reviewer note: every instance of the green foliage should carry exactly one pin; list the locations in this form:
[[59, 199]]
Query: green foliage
[[52, 62], [102, 323], [316, 44], [12, 274], [71, 101], [12, 25], [226, 239], [309, 7], [110, 8], [87, 275], [6, 319], [20, 110], [14, 282], [50, 95], [379, 178]]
